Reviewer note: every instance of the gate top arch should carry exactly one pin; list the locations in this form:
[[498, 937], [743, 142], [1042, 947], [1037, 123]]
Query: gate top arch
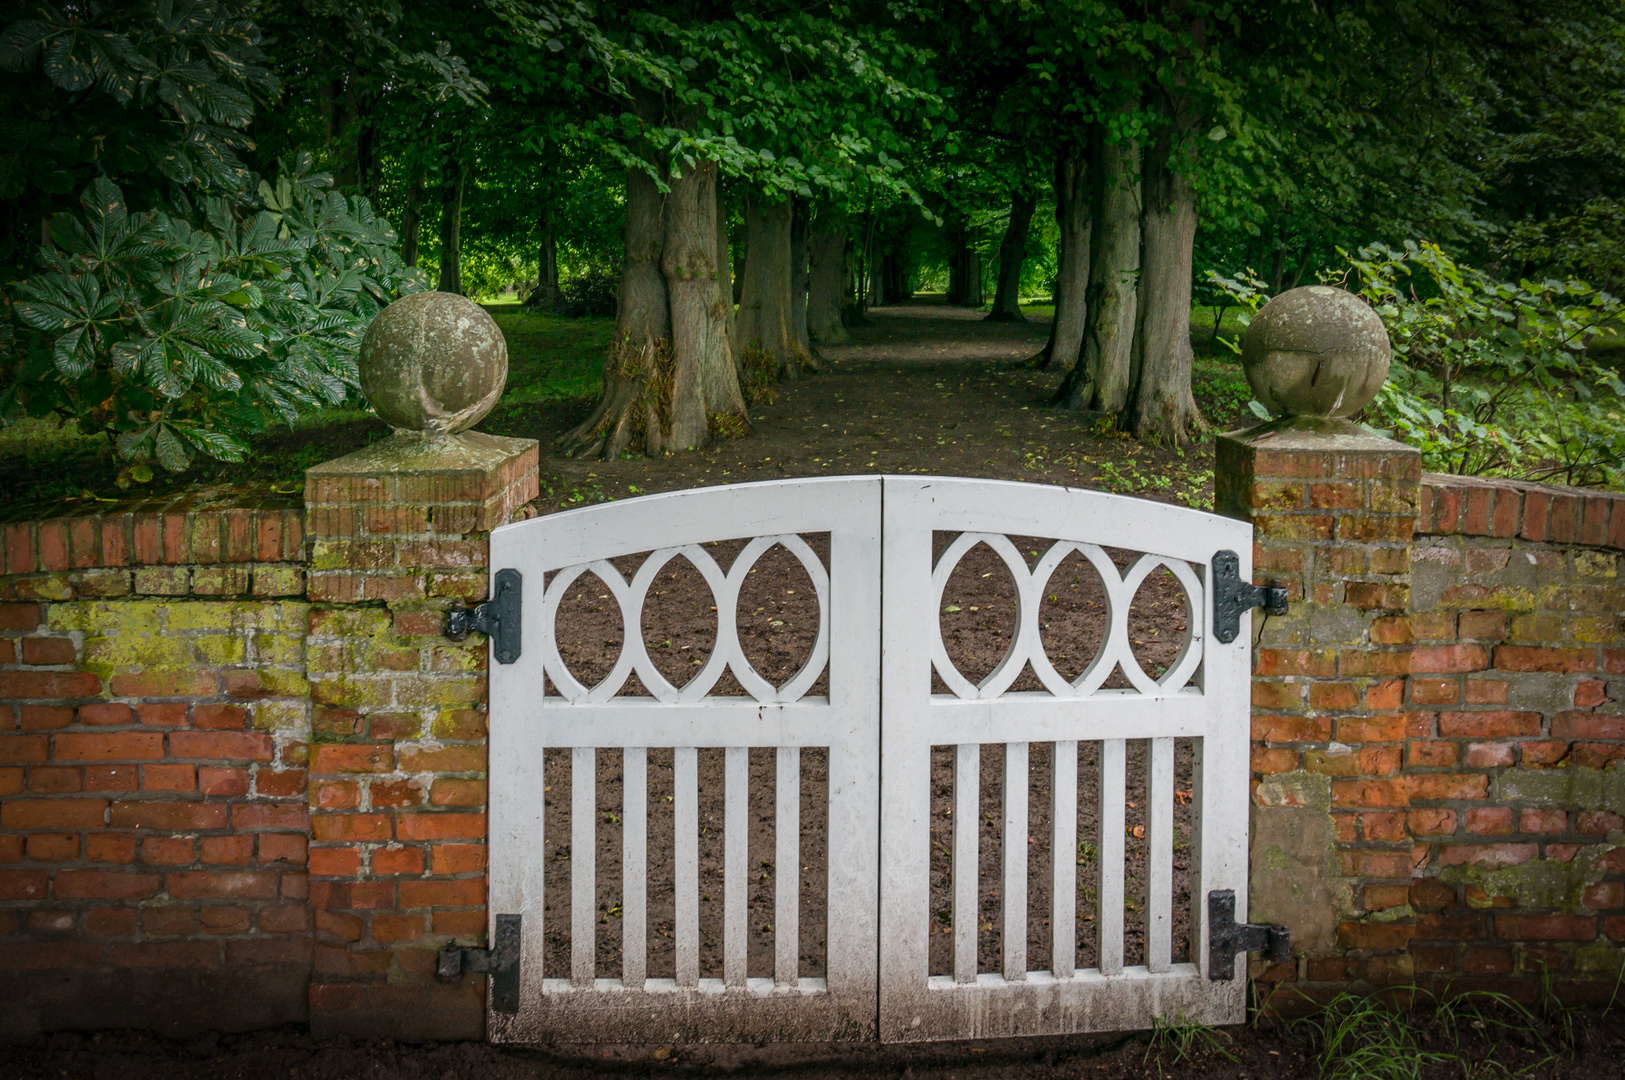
[[563, 547]]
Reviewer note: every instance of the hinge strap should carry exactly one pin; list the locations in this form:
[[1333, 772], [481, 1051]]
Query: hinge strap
[[497, 618], [1233, 597], [1226, 939], [501, 962]]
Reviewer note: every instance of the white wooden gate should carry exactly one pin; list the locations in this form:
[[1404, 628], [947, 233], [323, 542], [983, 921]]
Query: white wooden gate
[[879, 633]]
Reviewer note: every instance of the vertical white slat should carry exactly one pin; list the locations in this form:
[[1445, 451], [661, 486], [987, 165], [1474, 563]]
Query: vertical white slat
[[1015, 862], [1159, 854], [583, 865], [967, 834], [686, 849], [735, 863], [1109, 917], [634, 867], [1064, 861], [787, 867]]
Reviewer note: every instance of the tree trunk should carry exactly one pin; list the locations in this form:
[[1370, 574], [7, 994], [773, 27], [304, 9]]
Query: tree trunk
[[725, 272], [703, 392], [546, 295], [412, 216], [1072, 217], [764, 323], [1012, 253], [1161, 408], [451, 227], [874, 260], [800, 244], [1101, 379], [825, 277], [640, 354]]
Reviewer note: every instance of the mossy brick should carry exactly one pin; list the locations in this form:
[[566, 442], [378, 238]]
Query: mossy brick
[[279, 581], [459, 724], [1594, 629], [355, 555], [1278, 496], [54, 587], [265, 682], [284, 649], [354, 692], [103, 583], [438, 691], [220, 580], [1596, 564], [1316, 663], [287, 616], [219, 650], [281, 715], [327, 622], [390, 587], [469, 587], [1309, 527], [163, 581], [1390, 560], [1355, 663]]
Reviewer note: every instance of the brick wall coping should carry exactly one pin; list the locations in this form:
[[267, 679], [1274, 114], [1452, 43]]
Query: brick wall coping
[[1491, 506], [197, 527]]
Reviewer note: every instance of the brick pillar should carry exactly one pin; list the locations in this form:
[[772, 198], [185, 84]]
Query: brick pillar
[[398, 757], [1335, 512]]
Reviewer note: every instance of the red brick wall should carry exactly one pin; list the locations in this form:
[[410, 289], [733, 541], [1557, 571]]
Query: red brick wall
[[1442, 708], [153, 731]]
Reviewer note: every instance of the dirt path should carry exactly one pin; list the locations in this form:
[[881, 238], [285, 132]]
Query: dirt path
[[924, 389]]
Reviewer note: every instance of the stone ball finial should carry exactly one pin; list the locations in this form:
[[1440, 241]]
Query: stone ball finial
[[433, 362], [1316, 351]]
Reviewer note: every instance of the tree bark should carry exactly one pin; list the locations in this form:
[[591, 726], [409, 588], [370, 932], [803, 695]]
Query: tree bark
[[451, 227], [412, 215], [874, 270], [1073, 218], [825, 277], [725, 271], [800, 245], [546, 294], [1101, 379], [703, 391], [764, 324], [1161, 407], [1012, 253], [640, 353]]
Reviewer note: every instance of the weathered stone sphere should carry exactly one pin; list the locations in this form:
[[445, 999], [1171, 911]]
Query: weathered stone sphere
[[1316, 351], [433, 362]]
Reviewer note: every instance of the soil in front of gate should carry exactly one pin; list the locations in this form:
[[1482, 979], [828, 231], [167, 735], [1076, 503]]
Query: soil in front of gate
[[777, 623]]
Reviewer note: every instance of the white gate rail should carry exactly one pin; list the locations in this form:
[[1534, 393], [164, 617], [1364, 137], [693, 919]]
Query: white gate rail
[[879, 723]]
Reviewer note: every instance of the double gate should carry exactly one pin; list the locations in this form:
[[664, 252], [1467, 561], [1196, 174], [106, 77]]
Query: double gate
[[876, 733]]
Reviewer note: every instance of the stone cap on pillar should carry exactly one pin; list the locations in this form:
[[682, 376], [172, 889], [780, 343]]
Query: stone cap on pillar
[[419, 485]]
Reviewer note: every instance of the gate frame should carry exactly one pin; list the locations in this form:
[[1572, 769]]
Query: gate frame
[[875, 951]]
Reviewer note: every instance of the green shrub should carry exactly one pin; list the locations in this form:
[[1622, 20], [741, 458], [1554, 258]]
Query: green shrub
[[1489, 377], [190, 328]]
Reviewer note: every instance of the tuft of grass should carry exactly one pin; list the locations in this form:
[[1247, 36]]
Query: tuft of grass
[[1366, 1038], [1179, 1039]]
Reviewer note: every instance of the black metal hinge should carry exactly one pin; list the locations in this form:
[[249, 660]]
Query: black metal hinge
[[497, 618], [1233, 597], [501, 962], [1226, 939]]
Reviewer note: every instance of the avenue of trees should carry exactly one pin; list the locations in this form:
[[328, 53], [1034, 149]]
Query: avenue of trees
[[202, 202]]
